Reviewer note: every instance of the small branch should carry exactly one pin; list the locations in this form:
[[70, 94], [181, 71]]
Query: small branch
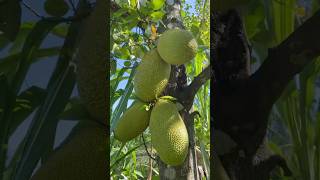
[[32, 10], [144, 143], [190, 91]]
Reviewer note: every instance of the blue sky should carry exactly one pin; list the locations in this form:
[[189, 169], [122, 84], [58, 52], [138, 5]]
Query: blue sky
[[38, 75]]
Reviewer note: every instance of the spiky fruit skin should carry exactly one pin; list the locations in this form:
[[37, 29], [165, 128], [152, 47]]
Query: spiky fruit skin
[[92, 63], [152, 76], [169, 134], [176, 46], [83, 157], [133, 122]]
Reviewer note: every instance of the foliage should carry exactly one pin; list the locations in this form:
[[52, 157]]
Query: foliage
[[22, 46], [294, 125], [135, 26]]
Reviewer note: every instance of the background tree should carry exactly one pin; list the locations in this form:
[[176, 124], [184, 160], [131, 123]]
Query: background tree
[[135, 26], [264, 89]]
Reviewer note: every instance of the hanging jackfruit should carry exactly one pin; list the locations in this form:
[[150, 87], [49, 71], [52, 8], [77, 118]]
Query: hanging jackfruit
[[176, 46], [133, 122], [169, 134], [151, 77]]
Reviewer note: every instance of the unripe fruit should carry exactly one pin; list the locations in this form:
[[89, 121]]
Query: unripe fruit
[[177, 46], [169, 135], [133, 122], [56, 7], [152, 76], [92, 62], [83, 157]]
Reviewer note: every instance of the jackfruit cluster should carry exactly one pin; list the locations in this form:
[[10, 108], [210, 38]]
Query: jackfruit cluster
[[169, 134]]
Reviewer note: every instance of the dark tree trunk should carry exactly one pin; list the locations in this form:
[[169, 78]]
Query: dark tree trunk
[[242, 101]]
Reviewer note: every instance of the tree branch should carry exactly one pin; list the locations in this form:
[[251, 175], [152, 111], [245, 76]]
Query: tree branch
[[187, 97], [288, 59]]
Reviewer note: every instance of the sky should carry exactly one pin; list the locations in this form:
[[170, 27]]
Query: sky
[[38, 75]]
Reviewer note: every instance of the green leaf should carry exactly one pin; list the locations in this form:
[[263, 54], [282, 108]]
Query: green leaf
[[41, 135], [45, 121], [123, 101], [18, 43], [195, 30], [125, 155], [205, 157], [157, 4], [32, 43], [9, 64], [75, 110], [170, 98], [127, 63], [157, 15], [61, 30], [155, 178], [10, 18], [113, 66], [26, 103]]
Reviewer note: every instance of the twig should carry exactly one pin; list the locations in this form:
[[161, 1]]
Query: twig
[[32, 10], [73, 6], [144, 143]]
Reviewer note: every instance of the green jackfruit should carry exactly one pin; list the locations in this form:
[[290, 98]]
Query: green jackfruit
[[169, 134], [177, 46], [56, 7], [83, 156], [133, 122], [151, 77], [92, 62]]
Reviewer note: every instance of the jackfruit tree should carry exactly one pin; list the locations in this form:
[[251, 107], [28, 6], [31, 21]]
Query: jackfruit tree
[[53, 90], [159, 74], [265, 81]]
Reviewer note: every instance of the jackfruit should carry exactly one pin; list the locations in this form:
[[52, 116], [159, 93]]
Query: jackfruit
[[83, 156], [133, 122], [92, 63], [56, 7], [176, 46], [169, 135], [152, 76]]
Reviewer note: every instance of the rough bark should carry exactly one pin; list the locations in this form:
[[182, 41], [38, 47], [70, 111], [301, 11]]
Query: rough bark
[[242, 102]]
